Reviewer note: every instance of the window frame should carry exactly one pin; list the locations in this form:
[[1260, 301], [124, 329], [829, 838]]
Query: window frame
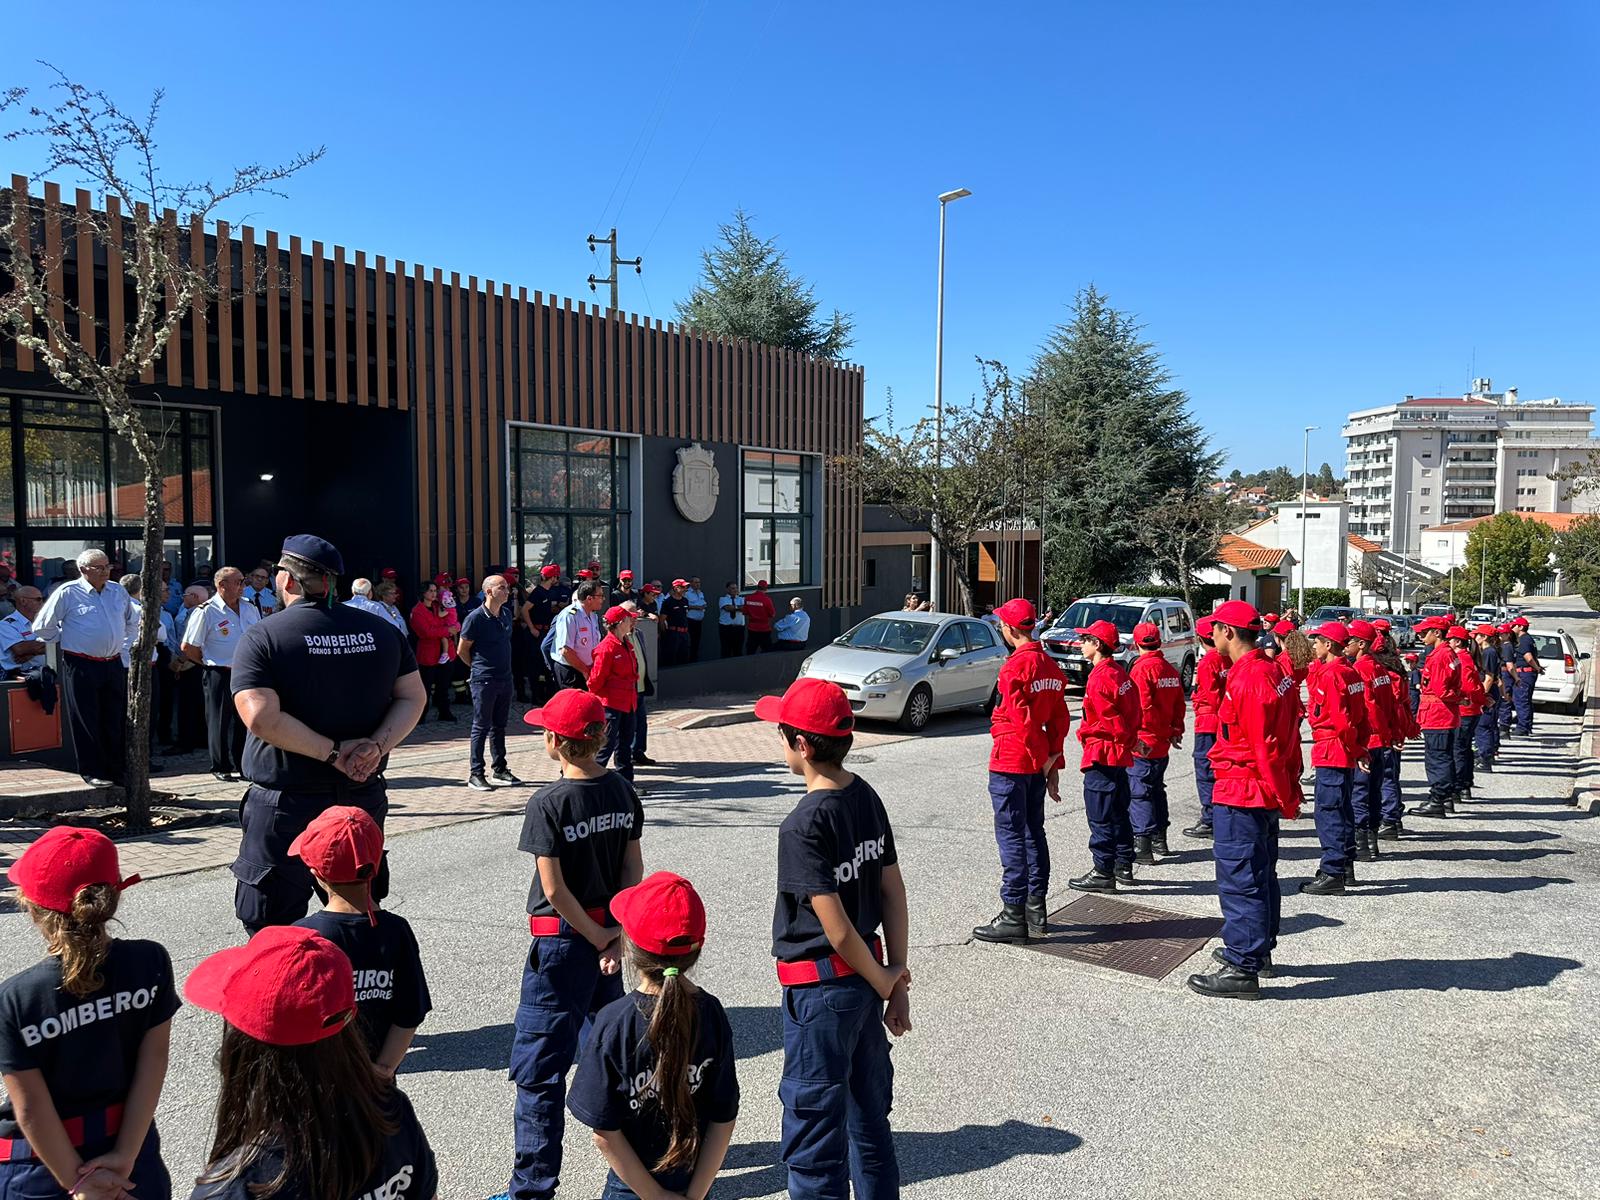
[[624, 460], [808, 516]]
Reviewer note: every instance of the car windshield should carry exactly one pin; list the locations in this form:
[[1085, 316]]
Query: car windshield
[[1330, 613], [890, 635], [1086, 612]]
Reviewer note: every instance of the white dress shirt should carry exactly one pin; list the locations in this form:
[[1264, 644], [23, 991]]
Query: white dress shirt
[[216, 629], [84, 621], [696, 599], [795, 627]]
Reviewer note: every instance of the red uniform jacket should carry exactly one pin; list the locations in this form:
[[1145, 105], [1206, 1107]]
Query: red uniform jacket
[[1441, 689], [614, 675], [759, 612], [1405, 719], [1209, 678], [1257, 755], [1383, 719], [1338, 713], [1110, 716], [436, 635], [1161, 706], [1030, 720], [1473, 697]]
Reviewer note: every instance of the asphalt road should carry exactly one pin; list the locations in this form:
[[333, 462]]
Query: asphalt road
[[1428, 1036]]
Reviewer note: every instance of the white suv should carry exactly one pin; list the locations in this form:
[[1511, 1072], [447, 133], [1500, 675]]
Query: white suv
[[1565, 680], [1171, 616]]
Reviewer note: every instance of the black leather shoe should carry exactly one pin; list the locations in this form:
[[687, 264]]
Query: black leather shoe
[[1199, 830], [479, 784], [1349, 871], [1142, 852], [1009, 926], [643, 760], [1323, 885], [1266, 971], [1093, 881], [1390, 831], [1158, 843], [1432, 808], [1230, 983], [1124, 873], [504, 776], [1038, 917]]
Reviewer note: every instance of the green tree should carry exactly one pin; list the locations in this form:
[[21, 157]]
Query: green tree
[[1183, 535], [1505, 551], [1281, 484], [1578, 557], [1119, 439], [1326, 484], [746, 290]]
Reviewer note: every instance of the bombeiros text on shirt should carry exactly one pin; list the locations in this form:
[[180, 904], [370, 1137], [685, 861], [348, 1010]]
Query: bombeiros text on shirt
[[79, 1015]]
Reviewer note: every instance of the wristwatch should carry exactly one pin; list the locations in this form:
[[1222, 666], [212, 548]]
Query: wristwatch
[[333, 755]]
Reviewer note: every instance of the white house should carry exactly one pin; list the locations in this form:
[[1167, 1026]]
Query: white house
[[1253, 572], [1326, 543], [1444, 547]]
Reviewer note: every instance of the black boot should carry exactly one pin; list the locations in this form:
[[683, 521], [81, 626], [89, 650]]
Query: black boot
[[1124, 874], [1038, 917], [1093, 881], [1158, 843], [1266, 971], [1009, 925], [1366, 849], [1200, 830], [1389, 831], [1349, 870], [1450, 803], [1323, 885], [1429, 808], [1142, 852], [1230, 983]]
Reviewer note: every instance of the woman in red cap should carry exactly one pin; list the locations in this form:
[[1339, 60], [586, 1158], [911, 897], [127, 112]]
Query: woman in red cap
[[301, 1115], [83, 1034], [1209, 678], [1474, 701], [1109, 729], [656, 1080], [1438, 715], [1337, 712], [614, 677]]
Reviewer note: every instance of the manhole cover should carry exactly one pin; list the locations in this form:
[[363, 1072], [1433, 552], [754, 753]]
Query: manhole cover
[[1125, 937]]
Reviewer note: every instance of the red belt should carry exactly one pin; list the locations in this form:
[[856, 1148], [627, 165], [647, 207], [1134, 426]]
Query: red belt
[[92, 657], [18, 1150], [819, 970], [551, 926]]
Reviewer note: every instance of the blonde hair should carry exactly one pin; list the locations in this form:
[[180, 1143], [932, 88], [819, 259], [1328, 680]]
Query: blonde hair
[[79, 938]]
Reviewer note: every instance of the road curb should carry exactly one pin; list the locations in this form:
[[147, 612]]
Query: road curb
[[715, 720]]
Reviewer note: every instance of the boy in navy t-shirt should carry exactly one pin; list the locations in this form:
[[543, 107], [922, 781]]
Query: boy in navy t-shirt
[[838, 882]]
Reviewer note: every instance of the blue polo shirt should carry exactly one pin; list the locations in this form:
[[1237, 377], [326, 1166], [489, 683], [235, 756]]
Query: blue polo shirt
[[491, 642]]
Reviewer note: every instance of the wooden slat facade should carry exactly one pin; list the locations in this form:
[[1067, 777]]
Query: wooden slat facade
[[465, 360]]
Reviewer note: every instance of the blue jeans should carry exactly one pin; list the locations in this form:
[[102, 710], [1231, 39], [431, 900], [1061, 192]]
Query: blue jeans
[[1105, 803], [1204, 777], [1438, 759], [1018, 802], [1367, 789], [562, 989], [1245, 847], [491, 707], [619, 741], [1147, 791], [837, 1090], [27, 1178], [674, 1181], [1335, 829]]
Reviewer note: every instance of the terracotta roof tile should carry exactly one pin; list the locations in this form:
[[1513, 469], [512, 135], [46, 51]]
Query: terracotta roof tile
[[1243, 555], [1365, 545]]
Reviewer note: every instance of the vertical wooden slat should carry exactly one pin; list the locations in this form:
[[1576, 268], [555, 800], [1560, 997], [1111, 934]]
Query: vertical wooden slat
[[84, 252], [411, 336], [22, 233], [380, 326], [504, 402], [116, 282], [297, 320], [636, 375], [440, 410], [582, 348], [457, 381], [247, 270], [361, 328], [341, 374], [174, 350], [274, 302], [54, 254], [567, 408], [670, 347], [476, 404], [319, 324], [658, 362], [541, 349], [224, 307], [141, 218], [525, 356], [198, 326], [402, 349]]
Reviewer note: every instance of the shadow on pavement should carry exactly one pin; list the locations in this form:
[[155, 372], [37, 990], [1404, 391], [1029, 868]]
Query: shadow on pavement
[[1390, 886], [1421, 974], [923, 1156]]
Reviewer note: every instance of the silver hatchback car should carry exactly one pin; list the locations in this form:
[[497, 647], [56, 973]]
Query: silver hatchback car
[[906, 666]]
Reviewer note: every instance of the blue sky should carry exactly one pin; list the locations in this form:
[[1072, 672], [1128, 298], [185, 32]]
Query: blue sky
[[1313, 208]]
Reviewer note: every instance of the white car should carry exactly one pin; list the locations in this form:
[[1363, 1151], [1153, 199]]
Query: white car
[[1486, 614], [1167, 613], [1565, 680]]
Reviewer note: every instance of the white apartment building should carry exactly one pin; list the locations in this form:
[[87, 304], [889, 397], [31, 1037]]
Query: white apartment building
[[1425, 462]]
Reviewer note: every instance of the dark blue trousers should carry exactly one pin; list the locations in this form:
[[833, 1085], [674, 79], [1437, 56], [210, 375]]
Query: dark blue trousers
[[1366, 790], [1105, 802], [1505, 713], [1439, 761], [1393, 804], [1147, 789], [641, 729], [837, 1090], [619, 741], [1335, 827], [562, 989], [1245, 846], [25, 1177], [1204, 777], [491, 708], [1465, 735], [1019, 833], [1486, 741], [1522, 699]]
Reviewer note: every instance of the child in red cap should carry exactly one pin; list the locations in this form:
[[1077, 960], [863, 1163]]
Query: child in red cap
[[301, 1115], [614, 678], [656, 1079], [838, 882], [583, 829], [83, 1034], [342, 848], [1108, 731]]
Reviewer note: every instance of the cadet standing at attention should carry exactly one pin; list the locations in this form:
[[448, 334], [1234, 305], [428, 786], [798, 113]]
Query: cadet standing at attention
[[1337, 710], [1209, 678], [1109, 729], [1160, 692], [1525, 669], [1438, 717]]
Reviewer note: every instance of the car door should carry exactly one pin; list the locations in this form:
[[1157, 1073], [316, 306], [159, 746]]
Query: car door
[[946, 674], [984, 657]]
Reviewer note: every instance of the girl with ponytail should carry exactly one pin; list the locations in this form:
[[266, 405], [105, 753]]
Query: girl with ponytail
[[655, 1081]]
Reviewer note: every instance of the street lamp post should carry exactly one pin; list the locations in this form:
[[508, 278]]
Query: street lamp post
[[936, 550], [1405, 544], [1305, 472]]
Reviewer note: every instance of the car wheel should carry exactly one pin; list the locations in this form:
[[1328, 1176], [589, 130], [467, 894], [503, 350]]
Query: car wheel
[[919, 707], [1186, 676]]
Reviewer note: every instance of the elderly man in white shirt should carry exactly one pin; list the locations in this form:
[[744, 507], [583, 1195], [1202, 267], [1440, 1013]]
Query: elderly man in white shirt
[[91, 618], [213, 631], [793, 629], [21, 653]]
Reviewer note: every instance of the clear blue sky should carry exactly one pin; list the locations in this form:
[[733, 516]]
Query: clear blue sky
[[1313, 208]]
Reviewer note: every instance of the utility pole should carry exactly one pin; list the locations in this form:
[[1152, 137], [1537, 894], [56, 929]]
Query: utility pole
[[636, 263], [1305, 470], [936, 550]]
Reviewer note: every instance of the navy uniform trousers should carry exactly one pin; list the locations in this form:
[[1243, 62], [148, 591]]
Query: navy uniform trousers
[[1522, 699], [1106, 797], [1439, 761], [619, 742], [1486, 743], [1368, 789], [1245, 847], [1204, 777], [1018, 802], [23, 1176], [562, 990], [1334, 820], [491, 709], [837, 1089], [1147, 791], [1466, 733], [95, 693], [1505, 712], [1393, 803]]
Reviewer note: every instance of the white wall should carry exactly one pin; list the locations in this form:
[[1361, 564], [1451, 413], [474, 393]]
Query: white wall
[[1327, 528]]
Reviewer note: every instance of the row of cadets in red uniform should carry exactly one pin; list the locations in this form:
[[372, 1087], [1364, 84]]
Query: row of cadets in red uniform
[[1255, 760], [1340, 730], [1388, 726], [1109, 730], [1439, 715], [1391, 810], [1161, 713], [1474, 705], [1029, 727], [1209, 677]]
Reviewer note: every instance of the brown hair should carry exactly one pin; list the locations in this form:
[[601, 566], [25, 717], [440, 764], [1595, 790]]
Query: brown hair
[[320, 1105], [79, 938], [581, 749], [826, 749], [673, 1032], [1298, 646]]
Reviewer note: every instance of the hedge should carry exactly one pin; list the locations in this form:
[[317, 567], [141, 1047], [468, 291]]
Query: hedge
[[1318, 597]]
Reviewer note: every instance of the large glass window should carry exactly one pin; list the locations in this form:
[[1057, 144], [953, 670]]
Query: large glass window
[[68, 484], [778, 512], [570, 498]]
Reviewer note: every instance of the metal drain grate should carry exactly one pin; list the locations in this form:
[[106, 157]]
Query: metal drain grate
[[1125, 937]]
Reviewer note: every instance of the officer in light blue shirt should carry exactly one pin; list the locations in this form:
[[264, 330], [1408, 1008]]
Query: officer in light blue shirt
[[697, 615], [793, 629], [21, 653], [575, 635]]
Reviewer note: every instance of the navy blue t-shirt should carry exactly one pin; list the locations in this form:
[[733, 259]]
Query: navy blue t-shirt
[[390, 986], [586, 825], [837, 840], [491, 642], [613, 1088], [1525, 646]]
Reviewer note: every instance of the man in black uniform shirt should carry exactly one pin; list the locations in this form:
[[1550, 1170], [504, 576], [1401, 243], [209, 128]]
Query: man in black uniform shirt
[[675, 625], [326, 691]]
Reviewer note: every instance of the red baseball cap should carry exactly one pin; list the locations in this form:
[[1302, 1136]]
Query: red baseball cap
[[511, 574], [1018, 613], [287, 986], [652, 589], [624, 574], [811, 706], [389, 573], [343, 844], [1283, 627], [465, 580], [1269, 618], [1104, 632], [1411, 656], [1519, 622], [761, 583], [662, 914], [1484, 630], [442, 579], [569, 713], [1365, 630], [680, 583], [1202, 627], [1382, 623], [1503, 628], [586, 574], [64, 860], [550, 571], [594, 564], [1146, 634], [1332, 631], [1427, 623], [1457, 632], [1239, 614], [616, 613]]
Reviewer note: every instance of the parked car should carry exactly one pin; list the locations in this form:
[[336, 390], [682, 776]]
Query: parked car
[[906, 666], [1402, 629], [1486, 614], [1333, 612], [1565, 681], [1435, 610], [1170, 615]]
